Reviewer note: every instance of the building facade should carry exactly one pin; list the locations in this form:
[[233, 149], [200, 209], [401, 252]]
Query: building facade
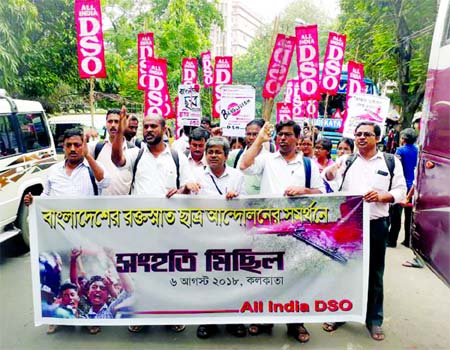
[[240, 27]]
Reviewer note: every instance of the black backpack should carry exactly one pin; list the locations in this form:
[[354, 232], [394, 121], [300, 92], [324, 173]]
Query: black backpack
[[99, 146], [388, 158], [139, 156]]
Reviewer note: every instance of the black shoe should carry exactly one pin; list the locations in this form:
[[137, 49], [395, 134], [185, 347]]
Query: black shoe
[[238, 330], [391, 245], [207, 330]]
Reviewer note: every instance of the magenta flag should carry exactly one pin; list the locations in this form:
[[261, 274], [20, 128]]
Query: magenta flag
[[189, 71], [223, 75], [332, 66], [292, 95], [308, 61], [145, 52], [284, 111], [355, 85], [157, 99], [280, 62], [207, 69], [91, 52]]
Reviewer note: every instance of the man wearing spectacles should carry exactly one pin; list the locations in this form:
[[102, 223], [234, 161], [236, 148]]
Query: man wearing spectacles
[[368, 175]]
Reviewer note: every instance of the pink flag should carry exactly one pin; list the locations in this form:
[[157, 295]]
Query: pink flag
[[145, 52], [284, 111], [279, 65], [308, 61], [208, 74], [189, 71], [223, 75], [157, 99], [355, 85], [312, 109], [332, 67], [91, 55], [292, 95]]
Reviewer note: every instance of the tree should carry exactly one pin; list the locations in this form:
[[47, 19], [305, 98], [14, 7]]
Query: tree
[[392, 38], [251, 68], [18, 20]]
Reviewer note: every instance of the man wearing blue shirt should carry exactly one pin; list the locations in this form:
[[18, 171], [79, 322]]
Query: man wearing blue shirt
[[408, 154]]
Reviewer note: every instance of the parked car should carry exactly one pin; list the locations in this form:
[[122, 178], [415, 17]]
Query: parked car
[[27, 151]]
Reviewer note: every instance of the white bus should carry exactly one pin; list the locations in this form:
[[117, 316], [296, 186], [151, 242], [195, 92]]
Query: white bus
[[26, 152]]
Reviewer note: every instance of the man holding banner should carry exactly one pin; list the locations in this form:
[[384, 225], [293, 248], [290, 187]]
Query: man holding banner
[[218, 179], [284, 173]]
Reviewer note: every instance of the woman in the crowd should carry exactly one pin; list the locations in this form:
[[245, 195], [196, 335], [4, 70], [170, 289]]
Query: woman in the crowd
[[345, 146], [322, 153], [306, 146]]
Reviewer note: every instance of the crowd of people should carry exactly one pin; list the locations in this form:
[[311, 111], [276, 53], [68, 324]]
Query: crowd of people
[[283, 160]]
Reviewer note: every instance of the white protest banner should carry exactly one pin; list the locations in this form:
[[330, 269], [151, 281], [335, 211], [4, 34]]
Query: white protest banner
[[237, 108], [91, 51], [190, 260], [365, 108], [189, 109], [145, 51]]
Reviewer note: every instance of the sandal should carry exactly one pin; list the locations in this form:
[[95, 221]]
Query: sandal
[[94, 329], [413, 263], [299, 332], [331, 326], [258, 328], [376, 332], [238, 330], [135, 329], [177, 328]]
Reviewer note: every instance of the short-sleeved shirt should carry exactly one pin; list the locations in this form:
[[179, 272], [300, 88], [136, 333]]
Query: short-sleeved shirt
[[231, 180], [78, 183], [278, 174], [156, 176], [365, 175], [120, 177], [408, 156], [252, 182]]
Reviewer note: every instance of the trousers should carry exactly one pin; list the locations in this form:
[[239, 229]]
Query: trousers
[[379, 230]]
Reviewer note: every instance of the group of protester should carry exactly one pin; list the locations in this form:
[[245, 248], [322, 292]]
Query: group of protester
[[202, 162]]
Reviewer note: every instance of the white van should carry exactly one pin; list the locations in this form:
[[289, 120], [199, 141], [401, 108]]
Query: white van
[[26, 152], [59, 124]]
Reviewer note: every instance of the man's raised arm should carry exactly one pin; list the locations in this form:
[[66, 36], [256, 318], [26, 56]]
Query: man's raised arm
[[117, 155], [248, 158]]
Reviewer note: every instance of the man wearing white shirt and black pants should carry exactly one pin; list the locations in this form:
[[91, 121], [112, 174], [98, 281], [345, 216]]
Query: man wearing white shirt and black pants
[[219, 180], [156, 170], [284, 173], [369, 175]]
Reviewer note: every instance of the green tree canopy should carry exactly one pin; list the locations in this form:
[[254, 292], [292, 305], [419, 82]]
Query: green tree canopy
[[392, 38]]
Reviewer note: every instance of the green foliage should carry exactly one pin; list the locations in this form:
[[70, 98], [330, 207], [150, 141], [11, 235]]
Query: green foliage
[[251, 68], [392, 38], [18, 20]]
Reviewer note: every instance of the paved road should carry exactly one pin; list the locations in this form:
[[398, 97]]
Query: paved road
[[417, 313]]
